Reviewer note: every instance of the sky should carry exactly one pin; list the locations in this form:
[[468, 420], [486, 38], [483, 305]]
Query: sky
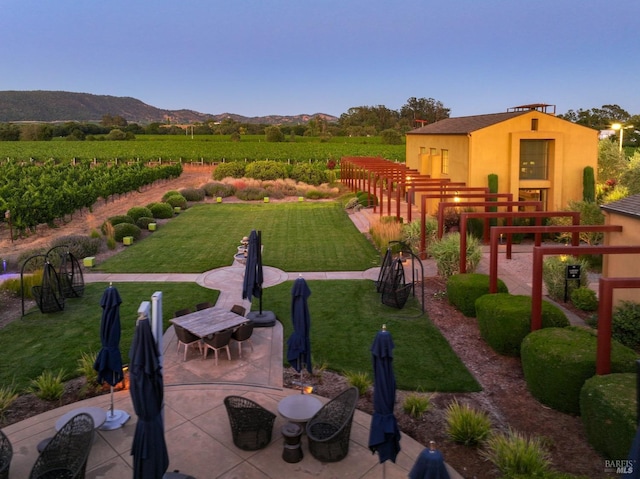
[[289, 57]]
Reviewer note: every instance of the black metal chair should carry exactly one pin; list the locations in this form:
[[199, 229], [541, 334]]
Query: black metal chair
[[329, 429], [243, 334], [65, 456], [182, 312], [218, 341], [6, 454], [204, 305], [251, 424], [187, 339], [241, 310]]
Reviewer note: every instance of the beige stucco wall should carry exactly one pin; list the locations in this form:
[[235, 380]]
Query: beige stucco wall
[[496, 150], [622, 265]]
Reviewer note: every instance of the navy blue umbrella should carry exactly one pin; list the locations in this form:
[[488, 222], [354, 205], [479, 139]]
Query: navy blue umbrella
[[149, 449], [384, 435], [299, 344], [253, 277], [109, 361]]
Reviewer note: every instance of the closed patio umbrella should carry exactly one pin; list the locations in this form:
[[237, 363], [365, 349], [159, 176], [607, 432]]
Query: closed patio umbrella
[[149, 449], [384, 435], [299, 344], [108, 362], [253, 277]]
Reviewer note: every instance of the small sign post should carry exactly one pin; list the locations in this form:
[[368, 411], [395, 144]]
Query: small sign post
[[572, 274]]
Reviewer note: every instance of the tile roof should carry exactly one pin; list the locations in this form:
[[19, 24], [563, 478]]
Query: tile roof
[[629, 206], [464, 124]]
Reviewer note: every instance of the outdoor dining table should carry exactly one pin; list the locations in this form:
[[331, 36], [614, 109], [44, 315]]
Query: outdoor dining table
[[208, 321]]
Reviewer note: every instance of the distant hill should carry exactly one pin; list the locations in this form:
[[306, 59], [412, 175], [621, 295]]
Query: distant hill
[[54, 106]]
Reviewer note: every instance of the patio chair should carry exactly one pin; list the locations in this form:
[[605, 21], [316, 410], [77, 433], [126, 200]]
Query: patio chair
[[251, 424], [182, 312], [329, 429], [241, 310], [65, 456], [243, 334], [205, 305], [218, 341], [187, 339], [6, 454]]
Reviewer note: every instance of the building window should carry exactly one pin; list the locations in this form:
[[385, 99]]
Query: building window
[[534, 124], [444, 169], [534, 159], [423, 150], [433, 151]]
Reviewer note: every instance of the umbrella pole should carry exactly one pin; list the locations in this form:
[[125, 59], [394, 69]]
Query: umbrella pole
[[115, 419]]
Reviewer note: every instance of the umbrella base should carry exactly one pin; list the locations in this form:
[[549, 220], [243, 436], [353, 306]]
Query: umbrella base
[[266, 319], [115, 420]]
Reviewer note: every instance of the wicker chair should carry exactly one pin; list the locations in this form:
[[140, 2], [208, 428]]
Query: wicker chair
[[241, 334], [329, 430], [187, 339], [6, 454], [251, 424], [218, 341], [241, 310], [65, 456]]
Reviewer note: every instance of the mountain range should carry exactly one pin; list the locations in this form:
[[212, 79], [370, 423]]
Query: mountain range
[[62, 106]]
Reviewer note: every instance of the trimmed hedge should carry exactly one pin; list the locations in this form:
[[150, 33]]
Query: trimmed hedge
[[557, 361], [504, 320], [138, 212], [193, 194], [608, 410], [125, 229], [161, 210], [464, 289], [116, 220]]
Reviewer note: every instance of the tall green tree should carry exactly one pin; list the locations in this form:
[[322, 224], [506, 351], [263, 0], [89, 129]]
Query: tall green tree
[[426, 109]]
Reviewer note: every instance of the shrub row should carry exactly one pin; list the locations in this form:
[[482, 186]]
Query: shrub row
[[464, 289]]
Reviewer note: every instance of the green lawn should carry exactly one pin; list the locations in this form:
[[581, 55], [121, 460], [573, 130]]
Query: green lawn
[[296, 237], [345, 316], [53, 341]]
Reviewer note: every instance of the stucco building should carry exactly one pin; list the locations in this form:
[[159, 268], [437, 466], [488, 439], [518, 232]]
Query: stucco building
[[536, 155], [625, 212]]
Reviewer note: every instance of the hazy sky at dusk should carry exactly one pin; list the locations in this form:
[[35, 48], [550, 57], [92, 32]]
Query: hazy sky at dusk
[[289, 57]]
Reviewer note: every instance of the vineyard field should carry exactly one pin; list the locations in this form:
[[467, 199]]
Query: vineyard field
[[205, 148]]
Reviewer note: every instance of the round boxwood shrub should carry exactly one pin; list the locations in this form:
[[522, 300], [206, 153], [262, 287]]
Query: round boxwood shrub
[[626, 324], [170, 193], [116, 220], [193, 194], [504, 320], [143, 222], [125, 229], [366, 200], [584, 298], [464, 289], [608, 412], [161, 210], [138, 212], [557, 361], [176, 200]]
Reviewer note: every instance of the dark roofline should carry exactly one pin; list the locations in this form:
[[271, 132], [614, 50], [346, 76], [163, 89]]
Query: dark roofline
[[629, 206], [463, 125]]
